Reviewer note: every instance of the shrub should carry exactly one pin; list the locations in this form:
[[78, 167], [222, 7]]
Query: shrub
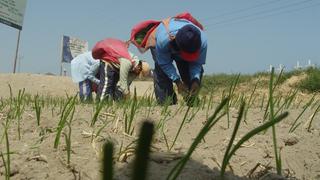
[[210, 82], [312, 81]]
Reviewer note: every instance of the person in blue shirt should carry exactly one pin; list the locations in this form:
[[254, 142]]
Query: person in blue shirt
[[184, 43], [83, 71]]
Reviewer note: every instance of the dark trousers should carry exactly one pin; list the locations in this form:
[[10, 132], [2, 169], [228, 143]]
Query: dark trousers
[[109, 77], [163, 85]]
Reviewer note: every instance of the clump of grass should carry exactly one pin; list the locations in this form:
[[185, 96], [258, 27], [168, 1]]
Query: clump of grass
[[290, 98], [124, 151], [262, 101], [315, 104], [99, 130], [67, 112], [181, 125], [66, 119], [7, 174], [251, 99], [294, 125], [272, 117], [7, 161], [19, 108], [150, 102], [209, 105], [68, 144], [231, 94], [193, 114], [312, 81], [212, 120], [203, 102], [312, 117], [107, 166], [165, 114], [11, 112], [68, 138], [142, 153], [140, 163], [215, 81], [231, 150], [272, 86], [98, 107], [236, 127], [3, 104], [37, 108], [128, 128]]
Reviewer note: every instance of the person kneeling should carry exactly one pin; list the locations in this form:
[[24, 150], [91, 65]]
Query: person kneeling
[[118, 69], [84, 70]]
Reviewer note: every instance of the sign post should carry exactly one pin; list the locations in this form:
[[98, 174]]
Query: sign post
[[61, 54], [11, 14], [71, 47], [16, 56]]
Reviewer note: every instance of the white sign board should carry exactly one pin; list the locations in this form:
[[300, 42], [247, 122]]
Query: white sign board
[[12, 12], [71, 47]]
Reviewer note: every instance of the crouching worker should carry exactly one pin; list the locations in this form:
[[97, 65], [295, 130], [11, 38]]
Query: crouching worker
[[84, 70], [118, 69], [178, 39]]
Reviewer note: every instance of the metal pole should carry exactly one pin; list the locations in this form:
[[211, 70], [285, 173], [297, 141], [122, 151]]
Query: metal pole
[[19, 63], [17, 50], [61, 55], [61, 68]]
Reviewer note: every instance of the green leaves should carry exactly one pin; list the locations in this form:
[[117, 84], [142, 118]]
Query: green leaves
[[128, 128], [107, 165], [67, 113], [140, 163], [271, 117], [230, 151], [37, 108], [206, 128], [142, 152], [98, 108]]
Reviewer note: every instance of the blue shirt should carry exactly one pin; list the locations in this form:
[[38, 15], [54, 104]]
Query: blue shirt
[[84, 67], [165, 55]]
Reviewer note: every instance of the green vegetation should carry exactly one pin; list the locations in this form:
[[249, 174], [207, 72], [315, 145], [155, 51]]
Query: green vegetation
[[221, 81], [271, 119], [174, 173], [212, 82], [312, 81], [37, 108], [107, 165], [67, 113], [7, 161], [139, 37], [125, 115]]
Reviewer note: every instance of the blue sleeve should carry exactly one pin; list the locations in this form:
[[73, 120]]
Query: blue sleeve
[[93, 70], [163, 57], [196, 67]]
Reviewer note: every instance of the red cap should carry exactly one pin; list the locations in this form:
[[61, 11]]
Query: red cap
[[190, 57]]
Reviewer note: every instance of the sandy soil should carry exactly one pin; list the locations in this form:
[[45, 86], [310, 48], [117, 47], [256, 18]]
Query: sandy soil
[[48, 85], [33, 157]]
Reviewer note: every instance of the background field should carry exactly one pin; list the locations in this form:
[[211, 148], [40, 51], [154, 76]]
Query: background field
[[34, 155]]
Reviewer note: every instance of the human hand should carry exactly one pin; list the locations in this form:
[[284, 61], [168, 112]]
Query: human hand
[[195, 87], [182, 88], [126, 95]]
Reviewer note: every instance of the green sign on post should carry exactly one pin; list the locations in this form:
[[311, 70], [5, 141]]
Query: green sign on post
[[12, 12]]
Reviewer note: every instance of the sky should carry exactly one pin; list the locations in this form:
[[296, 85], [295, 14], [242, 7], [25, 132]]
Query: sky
[[244, 36]]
